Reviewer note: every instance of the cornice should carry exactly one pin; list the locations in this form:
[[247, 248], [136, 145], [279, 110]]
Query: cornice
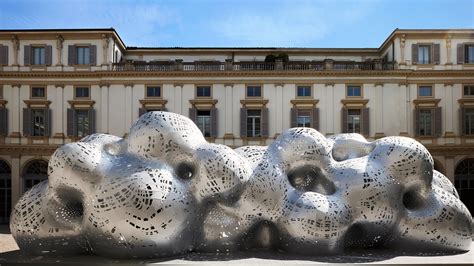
[[30, 149], [297, 102], [74, 103], [420, 101], [210, 102], [44, 103], [261, 102]]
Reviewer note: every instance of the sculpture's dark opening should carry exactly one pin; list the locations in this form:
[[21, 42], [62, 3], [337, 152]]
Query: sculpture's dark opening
[[311, 178], [185, 170], [412, 200], [72, 207]]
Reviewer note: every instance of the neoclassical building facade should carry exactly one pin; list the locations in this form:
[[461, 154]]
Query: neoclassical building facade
[[59, 85]]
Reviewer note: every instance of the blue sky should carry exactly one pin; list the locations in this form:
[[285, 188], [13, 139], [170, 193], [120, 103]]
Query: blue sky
[[220, 23]]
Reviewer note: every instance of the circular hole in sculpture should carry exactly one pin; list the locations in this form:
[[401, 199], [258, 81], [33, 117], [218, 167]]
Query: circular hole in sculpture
[[412, 200], [185, 170], [71, 209], [311, 178]]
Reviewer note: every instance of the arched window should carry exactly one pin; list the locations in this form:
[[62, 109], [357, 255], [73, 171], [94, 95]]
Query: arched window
[[5, 192], [33, 173], [464, 182]]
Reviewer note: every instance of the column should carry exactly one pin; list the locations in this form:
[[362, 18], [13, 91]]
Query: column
[[449, 168], [450, 113], [104, 108], [279, 107], [403, 108], [228, 110], [58, 114], [16, 114], [128, 106], [178, 90], [330, 113], [16, 179], [379, 128]]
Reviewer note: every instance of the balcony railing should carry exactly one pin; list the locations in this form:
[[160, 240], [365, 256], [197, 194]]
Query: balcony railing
[[178, 65]]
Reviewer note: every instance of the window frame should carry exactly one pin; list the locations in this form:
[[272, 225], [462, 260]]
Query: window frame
[[253, 135], [355, 85], [425, 85], [304, 85], [80, 87], [254, 85], [33, 110], [32, 54], [466, 53], [309, 116], [430, 53], [349, 120], [431, 127], [76, 121], [76, 60], [465, 133], [202, 86], [38, 86], [154, 86], [209, 120], [463, 90]]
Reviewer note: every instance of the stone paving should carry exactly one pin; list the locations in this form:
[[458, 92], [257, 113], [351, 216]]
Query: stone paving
[[9, 254]]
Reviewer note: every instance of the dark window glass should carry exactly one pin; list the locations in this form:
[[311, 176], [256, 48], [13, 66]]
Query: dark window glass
[[304, 91], [38, 116], [304, 118], [425, 121], [82, 92], [82, 120], [353, 121], [38, 92], [468, 90], [469, 122], [203, 91], [38, 56], [35, 172], [5, 192], [83, 55], [469, 54], [153, 91], [425, 91], [424, 52], [354, 91], [254, 91], [254, 123], [204, 122]]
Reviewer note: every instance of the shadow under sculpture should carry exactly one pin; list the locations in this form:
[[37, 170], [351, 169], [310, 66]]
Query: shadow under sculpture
[[164, 190]]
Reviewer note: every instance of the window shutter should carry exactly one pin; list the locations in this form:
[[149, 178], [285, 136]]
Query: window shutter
[[414, 54], [27, 55], [315, 118], [462, 121], [214, 122], [365, 127], [460, 53], [265, 122], [91, 120], [193, 114], [141, 111], [3, 121], [47, 122], [437, 121], [93, 55], [71, 55], [345, 114], [70, 131], [27, 121], [48, 55], [436, 57], [294, 117], [416, 122], [243, 122], [3, 55]]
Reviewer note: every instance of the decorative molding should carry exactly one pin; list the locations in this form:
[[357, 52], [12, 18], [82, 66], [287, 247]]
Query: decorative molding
[[426, 102], [43, 103], [15, 135], [228, 84], [104, 84], [355, 102], [59, 136], [254, 102], [3, 103], [379, 135], [229, 136], [203, 103], [305, 102], [60, 86], [27, 149], [150, 102], [379, 84], [279, 84], [75, 103], [449, 134], [178, 85], [466, 102]]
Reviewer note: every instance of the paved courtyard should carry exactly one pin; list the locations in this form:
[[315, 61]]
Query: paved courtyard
[[10, 254]]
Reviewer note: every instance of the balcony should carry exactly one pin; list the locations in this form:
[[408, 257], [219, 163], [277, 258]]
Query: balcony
[[179, 65]]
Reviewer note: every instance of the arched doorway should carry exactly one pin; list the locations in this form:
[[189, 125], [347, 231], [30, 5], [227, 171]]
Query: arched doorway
[[464, 182], [33, 173], [5, 192]]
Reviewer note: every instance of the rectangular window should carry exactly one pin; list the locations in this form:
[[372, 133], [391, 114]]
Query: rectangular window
[[38, 56], [82, 120], [468, 90], [469, 122], [353, 120], [304, 118], [204, 122], [425, 91], [254, 118], [254, 91], [83, 55], [424, 52], [425, 120], [203, 91], [39, 122], [153, 91], [38, 92], [354, 91], [469, 54], [303, 91], [81, 92]]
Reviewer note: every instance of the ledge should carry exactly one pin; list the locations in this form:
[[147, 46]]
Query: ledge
[[44, 103], [358, 102], [203, 102], [430, 101], [74, 103], [466, 101], [254, 102], [3, 102], [297, 102]]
